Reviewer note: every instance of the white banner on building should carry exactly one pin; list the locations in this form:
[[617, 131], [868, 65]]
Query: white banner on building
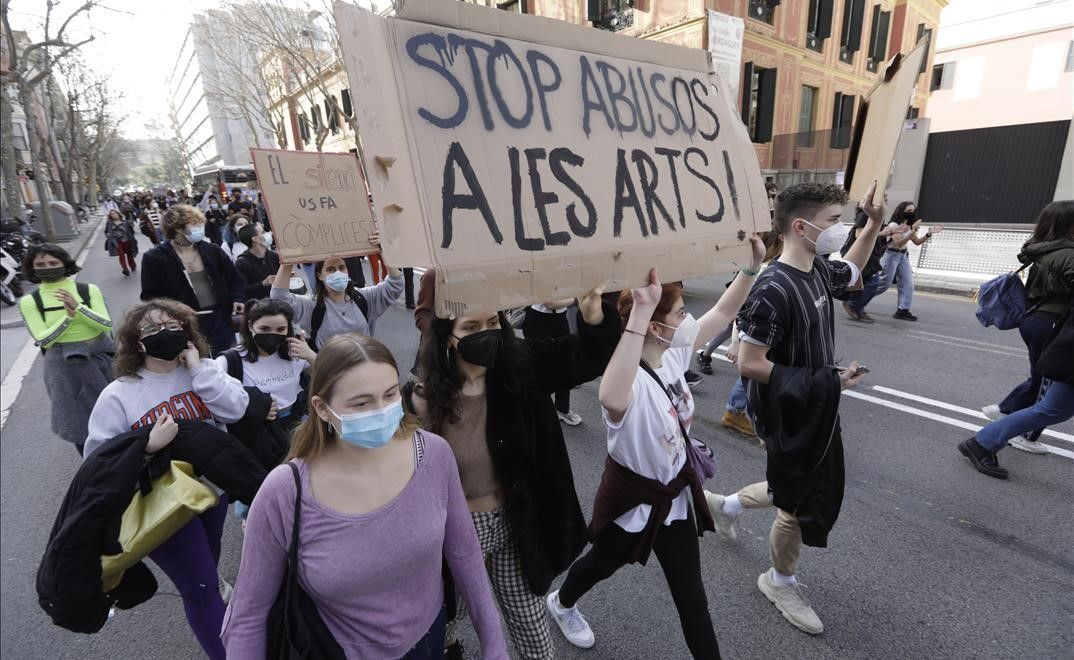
[[725, 48]]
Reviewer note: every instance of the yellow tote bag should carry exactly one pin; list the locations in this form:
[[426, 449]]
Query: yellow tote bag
[[177, 496]]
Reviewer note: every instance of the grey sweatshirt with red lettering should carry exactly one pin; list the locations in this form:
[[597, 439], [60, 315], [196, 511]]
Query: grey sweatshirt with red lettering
[[131, 402]]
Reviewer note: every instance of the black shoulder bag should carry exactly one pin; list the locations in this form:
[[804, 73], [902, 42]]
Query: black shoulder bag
[[295, 627]]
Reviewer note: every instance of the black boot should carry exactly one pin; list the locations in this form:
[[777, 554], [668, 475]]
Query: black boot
[[984, 461], [704, 362], [905, 315]]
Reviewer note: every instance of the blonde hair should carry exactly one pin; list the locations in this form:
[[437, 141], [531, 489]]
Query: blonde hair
[[340, 354], [178, 217]]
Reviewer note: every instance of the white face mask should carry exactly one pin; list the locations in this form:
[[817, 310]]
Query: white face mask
[[831, 239], [685, 335], [267, 237]]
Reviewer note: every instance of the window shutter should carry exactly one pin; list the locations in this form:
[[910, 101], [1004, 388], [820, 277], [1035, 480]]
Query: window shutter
[[766, 105], [857, 16], [948, 79], [882, 40], [824, 21], [747, 90]]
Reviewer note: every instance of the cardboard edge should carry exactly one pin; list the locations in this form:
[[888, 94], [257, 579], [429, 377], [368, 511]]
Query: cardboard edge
[[465, 16]]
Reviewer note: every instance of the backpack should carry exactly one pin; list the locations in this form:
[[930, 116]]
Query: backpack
[[83, 293], [1002, 301], [319, 311]]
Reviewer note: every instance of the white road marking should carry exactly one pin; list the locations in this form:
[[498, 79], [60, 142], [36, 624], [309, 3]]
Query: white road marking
[[938, 418], [962, 340], [959, 409], [12, 385], [1007, 352]]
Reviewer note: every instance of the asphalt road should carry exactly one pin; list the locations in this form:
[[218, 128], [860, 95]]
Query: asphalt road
[[928, 559]]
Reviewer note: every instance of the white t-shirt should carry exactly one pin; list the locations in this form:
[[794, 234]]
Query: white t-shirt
[[272, 375], [648, 440]]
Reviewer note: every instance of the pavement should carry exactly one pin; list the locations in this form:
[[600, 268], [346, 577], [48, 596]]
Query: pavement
[[929, 559]]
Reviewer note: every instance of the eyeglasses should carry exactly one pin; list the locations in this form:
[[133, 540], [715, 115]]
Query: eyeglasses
[[153, 328]]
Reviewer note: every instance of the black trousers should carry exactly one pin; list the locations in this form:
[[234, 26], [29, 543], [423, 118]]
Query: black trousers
[[408, 287], [677, 550], [546, 325], [355, 270]]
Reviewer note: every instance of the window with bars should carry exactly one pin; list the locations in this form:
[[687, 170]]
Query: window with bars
[[842, 118], [878, 41], [759, 101], [850, 36], [345, 96], [763, 10], [819, 25], [806, 109]]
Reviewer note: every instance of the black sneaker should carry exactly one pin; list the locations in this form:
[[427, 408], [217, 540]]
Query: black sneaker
[[984, 461], [693, 379], [905, 315], [704, 362]]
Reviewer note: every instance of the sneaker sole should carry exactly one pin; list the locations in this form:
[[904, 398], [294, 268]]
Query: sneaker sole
[[772, 599], [749, 434], [995, 417], [552, 613], [1029, 447]]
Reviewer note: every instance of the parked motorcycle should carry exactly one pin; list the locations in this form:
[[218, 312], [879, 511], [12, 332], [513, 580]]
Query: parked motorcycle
[[10, 284]]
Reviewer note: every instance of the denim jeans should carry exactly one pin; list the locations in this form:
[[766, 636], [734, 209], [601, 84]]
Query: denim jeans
[[736, 401], [869, 289], [1057, 406], [1035, 330], [897, 263]]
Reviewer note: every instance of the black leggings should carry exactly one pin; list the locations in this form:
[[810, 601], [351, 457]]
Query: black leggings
[[549, 325], [677, 550]]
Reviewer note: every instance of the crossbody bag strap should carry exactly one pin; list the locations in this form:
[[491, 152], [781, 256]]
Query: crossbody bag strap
[[292, 554], [649, 370]]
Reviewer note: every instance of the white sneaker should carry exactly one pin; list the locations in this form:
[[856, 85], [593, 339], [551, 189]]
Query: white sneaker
[[1020, 442], [225, 589], [992, 412], [570, 418], [571, 622], [725, 522], [791, 603]]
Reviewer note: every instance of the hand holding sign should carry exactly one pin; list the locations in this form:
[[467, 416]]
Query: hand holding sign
[[591, 307]]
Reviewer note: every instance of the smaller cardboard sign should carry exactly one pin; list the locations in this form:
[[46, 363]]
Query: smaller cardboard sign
[[879, 125], [317, 202]]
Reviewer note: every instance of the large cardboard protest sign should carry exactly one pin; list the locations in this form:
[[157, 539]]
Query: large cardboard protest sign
[[317, 204], [879, 124], [528, 159]]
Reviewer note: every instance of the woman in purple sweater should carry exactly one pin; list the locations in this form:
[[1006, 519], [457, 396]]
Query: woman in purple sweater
[[382, 506]]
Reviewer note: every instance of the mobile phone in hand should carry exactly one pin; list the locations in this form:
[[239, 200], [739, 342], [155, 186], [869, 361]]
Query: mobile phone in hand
[[862, 369]]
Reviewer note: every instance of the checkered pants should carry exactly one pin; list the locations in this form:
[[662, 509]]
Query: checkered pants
[[523, 612]]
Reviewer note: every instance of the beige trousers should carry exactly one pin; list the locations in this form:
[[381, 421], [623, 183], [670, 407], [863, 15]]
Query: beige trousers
[[785, 539]]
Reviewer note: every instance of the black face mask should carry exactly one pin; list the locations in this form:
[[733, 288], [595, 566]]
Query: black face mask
[[166, 344], [51, 274], [909, 216], [481, 348], [270, 342]]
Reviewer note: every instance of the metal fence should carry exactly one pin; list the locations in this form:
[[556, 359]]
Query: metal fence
[[981, 252]]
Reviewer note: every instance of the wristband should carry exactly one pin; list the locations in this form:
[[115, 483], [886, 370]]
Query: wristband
[[750, 272]]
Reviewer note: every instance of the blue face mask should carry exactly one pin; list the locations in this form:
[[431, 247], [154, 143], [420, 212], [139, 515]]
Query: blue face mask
[[372, 429], [337, 281], [196, 234]]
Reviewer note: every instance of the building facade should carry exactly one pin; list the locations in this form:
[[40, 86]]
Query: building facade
[[1000, 145], [805, 63], [211, 133]]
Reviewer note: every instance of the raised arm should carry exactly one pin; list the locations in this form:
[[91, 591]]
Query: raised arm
[[859, 252], [617, 385], [726, 308]]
